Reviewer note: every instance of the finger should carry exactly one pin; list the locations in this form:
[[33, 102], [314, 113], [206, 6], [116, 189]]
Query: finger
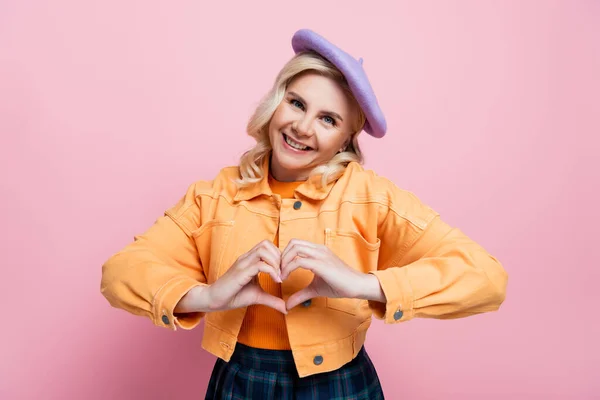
[[270, 246], [300, 297], [258, 255], [271, 301], [300, 262], [262, 254], [254, 294], [300, 251], [248, 274], [295, 250], [295, 242], [267, 269], [266, 244]]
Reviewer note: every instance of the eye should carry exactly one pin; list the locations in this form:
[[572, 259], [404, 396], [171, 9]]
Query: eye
[[329, 120], [297, 103]]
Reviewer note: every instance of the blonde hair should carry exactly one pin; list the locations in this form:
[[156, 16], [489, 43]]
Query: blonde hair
[[258, 126]]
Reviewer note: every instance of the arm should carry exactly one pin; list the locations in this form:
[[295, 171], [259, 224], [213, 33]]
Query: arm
[[152, 274], [428, 269]]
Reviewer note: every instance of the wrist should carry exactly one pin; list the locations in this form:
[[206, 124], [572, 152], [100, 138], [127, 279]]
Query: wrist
[[203, 302], [195, 300], [371, 289]]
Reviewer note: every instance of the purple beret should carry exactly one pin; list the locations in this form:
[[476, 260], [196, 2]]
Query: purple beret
[[305, 40]]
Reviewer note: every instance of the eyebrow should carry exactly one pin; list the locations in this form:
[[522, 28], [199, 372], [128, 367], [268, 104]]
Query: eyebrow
[[333, 114]]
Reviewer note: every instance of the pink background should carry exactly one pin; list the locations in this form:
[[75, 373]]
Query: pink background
[[108, 110]]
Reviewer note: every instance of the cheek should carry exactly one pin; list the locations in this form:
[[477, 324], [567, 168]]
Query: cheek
[[275, 124], [329, 144], [279, 115], [285, 115], [332, 138]]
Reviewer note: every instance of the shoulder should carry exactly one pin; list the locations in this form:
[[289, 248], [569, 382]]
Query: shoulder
[[223, 184], [367, 185], [187, 209], [360, 181]]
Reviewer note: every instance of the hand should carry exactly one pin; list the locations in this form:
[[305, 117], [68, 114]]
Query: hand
[[238, 287], [333, 278]]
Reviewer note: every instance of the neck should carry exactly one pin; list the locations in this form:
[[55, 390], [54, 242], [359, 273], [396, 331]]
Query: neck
[[284, 176]]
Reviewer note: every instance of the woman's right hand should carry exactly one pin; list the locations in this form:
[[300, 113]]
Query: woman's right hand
[[238, 287]]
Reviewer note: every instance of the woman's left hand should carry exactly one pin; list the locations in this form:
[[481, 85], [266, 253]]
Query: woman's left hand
[[333, 278]]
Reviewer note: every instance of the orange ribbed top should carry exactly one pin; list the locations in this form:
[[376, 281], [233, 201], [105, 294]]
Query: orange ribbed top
[[264, 327]]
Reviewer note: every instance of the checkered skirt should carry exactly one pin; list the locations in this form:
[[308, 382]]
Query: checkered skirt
[[271, 374]]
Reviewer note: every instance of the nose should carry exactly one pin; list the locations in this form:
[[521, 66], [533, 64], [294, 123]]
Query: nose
[[303, 126]]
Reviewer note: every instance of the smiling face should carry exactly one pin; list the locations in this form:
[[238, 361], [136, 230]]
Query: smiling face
[[311, 124]]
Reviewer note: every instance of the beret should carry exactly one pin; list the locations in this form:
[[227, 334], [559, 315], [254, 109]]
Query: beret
[[352, 69]]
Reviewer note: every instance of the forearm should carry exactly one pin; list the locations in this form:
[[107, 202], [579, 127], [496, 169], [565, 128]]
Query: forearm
[[454, 278], [195, 300], [150, 275], [370, 289]]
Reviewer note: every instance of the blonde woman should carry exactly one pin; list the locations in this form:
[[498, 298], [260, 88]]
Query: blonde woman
[[289, 255]]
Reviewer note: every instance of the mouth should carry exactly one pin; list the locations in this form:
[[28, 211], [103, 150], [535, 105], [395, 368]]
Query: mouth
[[295, 145]]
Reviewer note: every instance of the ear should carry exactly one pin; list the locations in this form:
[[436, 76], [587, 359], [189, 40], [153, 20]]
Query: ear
[[344, 146]]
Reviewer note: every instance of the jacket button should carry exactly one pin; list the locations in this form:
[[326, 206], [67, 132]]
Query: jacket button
[[398, 314], [297, 205], [165, 320], [318, 360], [307, 303]]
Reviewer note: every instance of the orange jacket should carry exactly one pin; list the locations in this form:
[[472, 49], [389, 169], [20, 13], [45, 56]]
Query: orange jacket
[[425, 267]]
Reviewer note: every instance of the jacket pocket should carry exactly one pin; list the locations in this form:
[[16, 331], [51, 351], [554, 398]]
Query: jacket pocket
[[358, 253], [212, 238]]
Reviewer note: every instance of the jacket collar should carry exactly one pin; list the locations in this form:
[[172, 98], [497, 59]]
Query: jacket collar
[[309, 188]]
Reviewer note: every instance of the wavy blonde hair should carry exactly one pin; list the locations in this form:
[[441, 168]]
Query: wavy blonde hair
[[251, 162]]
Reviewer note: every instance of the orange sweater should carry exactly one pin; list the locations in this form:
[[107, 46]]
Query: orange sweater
[[264, 327]]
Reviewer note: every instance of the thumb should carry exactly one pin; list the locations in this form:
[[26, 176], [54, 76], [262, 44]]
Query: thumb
[[301, 296], [269, 300]]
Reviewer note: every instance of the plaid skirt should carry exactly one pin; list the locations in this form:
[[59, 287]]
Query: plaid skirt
[[271, 374]]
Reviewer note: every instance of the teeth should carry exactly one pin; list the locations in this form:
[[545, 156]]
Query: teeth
[[294, 144]]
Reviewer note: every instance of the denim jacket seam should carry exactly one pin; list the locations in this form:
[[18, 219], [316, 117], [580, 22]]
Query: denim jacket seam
[[176, 219], [397, 261], [385, 201], [217, 327], [330, 210], [256, 211], [232, 203], [420, 226], [325, 343], [160, 290]]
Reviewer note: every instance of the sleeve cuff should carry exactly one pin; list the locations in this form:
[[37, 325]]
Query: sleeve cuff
[[398, 293], [167, 298]]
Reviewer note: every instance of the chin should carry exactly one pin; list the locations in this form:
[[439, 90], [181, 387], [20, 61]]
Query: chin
[[290, 168], [286, 162]]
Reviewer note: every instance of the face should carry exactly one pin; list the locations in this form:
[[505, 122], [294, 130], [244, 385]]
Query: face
[[309, 127]]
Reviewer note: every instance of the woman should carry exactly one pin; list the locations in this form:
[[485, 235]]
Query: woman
[[289, 254]]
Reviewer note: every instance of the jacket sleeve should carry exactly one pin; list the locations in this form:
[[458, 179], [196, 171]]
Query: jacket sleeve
[[429, 269], [150, 275]]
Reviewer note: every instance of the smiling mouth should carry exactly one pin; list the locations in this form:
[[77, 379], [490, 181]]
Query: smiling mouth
[[294, 144]]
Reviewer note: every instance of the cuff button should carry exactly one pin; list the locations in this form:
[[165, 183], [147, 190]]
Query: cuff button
[[398, 314]]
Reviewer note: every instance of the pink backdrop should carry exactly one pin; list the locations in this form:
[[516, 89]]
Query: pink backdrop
[[108, 110]]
